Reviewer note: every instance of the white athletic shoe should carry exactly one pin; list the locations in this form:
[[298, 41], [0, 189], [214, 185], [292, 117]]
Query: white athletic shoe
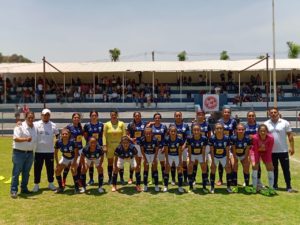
[[180, 190], [145, 188], [51, 186], [156, 188], [173, 183], [36, 188], [229, 190], [165, 189], [212, 190], [82, 190], [100, 190]]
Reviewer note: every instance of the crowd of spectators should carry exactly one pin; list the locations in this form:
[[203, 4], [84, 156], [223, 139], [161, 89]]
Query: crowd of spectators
[[109, 89]]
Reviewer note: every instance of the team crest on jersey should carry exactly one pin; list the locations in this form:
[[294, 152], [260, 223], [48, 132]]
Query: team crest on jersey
[[65, 149], [220, 144], [70, 148]]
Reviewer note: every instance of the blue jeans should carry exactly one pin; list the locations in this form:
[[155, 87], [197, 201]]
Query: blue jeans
[[22, 162]]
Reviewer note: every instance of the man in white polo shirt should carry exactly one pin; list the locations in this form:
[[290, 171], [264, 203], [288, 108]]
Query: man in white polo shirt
[[280, 129], [46, 130], [24, 143]]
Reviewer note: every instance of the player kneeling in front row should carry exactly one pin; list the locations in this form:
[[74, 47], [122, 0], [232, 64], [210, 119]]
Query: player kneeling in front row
[[219, 147], [149, 147], [126, 152], [92, 153], [196, 148], [173, 153], [69, 150], [240, 148]]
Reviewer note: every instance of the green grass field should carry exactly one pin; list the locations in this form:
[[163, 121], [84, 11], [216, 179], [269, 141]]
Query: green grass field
[[129, 207]]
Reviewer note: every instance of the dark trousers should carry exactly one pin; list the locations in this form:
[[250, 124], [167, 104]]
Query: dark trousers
[[38, 166], [283, 158]]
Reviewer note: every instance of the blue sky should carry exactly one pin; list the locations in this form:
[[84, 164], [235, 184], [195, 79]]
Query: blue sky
[[78, 30]]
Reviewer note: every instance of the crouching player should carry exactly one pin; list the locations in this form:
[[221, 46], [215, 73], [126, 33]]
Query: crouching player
[[219, 147], [173, 153], [69, 150], [92, 153], [126, 152], [149, 147], [240, 148], [196, 148]]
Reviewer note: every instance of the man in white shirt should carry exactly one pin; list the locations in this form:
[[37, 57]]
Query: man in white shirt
[[280, 129], [46, 130], [24, 143]]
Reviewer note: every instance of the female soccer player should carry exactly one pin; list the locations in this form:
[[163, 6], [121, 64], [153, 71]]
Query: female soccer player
[[76, 132], [262, 149], [135, 131], [112, 134], [173, 154], [219, 146], [125, 152], [94, 128], [69, 157], [229, 125], [240, 149], [92, 153], [159, 131], [183, 131], [149, 148], [196, 147], [205, 131]]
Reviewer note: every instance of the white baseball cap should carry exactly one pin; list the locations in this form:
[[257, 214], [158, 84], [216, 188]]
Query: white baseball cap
[[45, 111]]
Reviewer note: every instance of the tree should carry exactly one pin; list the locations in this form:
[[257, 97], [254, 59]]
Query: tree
[[294, 50], [224, 55], [114, 54], [182, 56], [14, 58], [260, 57]]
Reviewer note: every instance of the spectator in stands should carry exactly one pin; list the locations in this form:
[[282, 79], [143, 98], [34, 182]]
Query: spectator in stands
[[76, 96], [190, 81], [25, 109], [18, 111], [258, 79]]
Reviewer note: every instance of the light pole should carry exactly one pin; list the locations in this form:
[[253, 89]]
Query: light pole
[[274, 57]]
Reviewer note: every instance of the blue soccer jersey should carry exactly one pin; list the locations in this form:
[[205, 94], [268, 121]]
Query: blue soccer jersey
[[136, 130], [197, 145], [240, 145], [68, 150], [96, 154], [130, 153], [183, 130], [173, 145], [229, 126], [76, 134], [94, 130], [251, 129], [219, 145], [160, 133], [149, 147]]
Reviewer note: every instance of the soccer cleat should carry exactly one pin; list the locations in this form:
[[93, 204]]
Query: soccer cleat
[[63, 182], [51, 186], [129, 181], [205, 190], [194, 183], [145, 188], [212, 190], [59, 190], [173, 183], [91, 182], [36, 188], [13, 194], [235, 189], [156, 188], [165, 189], [180, 190], [100, 190], [138, 188], [290, 190], [82, 190], [114, 189], [228, 189], [219, 183]]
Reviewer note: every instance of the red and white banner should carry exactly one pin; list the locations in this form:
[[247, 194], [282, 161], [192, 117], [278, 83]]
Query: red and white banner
[[211, 103]]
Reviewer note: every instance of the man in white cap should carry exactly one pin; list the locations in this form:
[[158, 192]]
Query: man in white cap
[[46, 130]]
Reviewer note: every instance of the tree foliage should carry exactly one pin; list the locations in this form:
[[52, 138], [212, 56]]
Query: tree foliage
[[294, 50], [14, 58], [115, 54], [182, 56], [224, 55]]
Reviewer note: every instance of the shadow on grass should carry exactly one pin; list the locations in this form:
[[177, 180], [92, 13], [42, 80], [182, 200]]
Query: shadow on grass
[[127, 190]]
